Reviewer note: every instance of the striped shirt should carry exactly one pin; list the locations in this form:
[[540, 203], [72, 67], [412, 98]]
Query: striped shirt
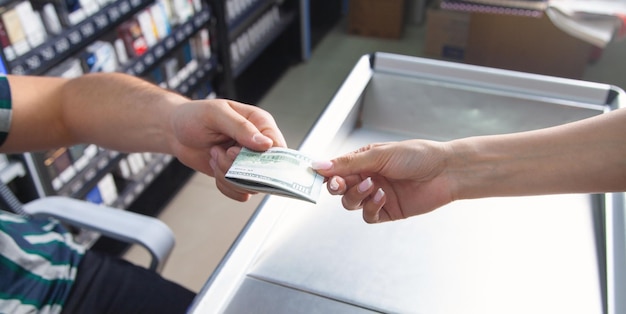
[[38, 263], [38, 257]]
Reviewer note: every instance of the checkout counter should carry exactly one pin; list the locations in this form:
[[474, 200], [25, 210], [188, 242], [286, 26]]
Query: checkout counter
[[539, 254]]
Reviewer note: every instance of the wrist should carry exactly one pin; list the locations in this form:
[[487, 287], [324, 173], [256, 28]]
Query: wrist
[[167, 125], [473, 169]]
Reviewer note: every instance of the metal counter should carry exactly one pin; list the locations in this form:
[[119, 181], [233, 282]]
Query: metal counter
[[540, 254]]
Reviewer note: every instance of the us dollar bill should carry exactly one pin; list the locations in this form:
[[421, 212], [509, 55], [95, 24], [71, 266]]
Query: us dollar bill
[[279, 171]]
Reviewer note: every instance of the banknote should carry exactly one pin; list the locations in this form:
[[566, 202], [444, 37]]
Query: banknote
[[279, 171]]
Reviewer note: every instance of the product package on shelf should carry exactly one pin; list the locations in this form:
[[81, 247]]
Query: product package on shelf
[[100, 57], [133, 38]]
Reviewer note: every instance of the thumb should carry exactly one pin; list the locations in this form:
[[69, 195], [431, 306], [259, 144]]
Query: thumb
[[358, 162], [254, 128]]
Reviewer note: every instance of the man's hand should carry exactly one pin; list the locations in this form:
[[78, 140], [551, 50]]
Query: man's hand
[[208, 134]]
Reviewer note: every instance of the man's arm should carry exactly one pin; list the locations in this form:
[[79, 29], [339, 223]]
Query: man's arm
[[124, 113], [113, 110]]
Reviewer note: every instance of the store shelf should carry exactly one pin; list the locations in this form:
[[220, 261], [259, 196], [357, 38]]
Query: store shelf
[[243, 20], [194, 74], [58, 48], [85, 180], [138, 185], [262, 42], [141, 181], [156, 54]]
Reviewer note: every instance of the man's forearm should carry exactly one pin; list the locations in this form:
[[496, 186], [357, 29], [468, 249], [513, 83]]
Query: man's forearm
[[119, 112], [110, 109]]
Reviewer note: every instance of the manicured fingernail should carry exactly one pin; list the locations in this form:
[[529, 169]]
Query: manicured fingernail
[[379, 196], [262, 139], [322, 165], [365, 185], [213, 164], [333, 184]]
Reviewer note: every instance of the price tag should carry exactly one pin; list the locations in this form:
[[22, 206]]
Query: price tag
[[170, 42], [183, 89], [101, 21], [197, 20], [62, 45], [128, 199], [188, 29], [18, 70], [149, 177], [88, 29], [139, 67], [139, 188], [74, 37], [114, 14], [159, 51], [124, 7], [180, 36], [90, 174], [148, 59], [33, 62], [47, 53]]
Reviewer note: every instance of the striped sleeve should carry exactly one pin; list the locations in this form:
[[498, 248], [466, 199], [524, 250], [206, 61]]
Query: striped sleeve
[[5, 108]]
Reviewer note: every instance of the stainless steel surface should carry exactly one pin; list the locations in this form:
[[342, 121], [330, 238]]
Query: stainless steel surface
[[545, 254]]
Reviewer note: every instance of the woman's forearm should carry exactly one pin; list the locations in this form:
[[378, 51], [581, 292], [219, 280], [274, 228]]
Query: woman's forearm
[[585, 156]]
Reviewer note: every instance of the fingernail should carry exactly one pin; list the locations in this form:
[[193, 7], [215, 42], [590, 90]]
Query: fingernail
[[334, 185], [213, 164], [365, 185], [262, 139], [214, 153], [322, 165], [379, 196]]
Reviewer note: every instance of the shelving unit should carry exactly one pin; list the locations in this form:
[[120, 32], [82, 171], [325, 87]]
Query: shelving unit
[[80, 172], [251, 30], [242, 34], [56, 49]]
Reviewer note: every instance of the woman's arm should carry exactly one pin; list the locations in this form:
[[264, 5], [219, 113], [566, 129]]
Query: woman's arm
[[396, 180]]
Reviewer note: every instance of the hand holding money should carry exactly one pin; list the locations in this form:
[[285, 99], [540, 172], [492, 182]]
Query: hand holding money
[[279, 171]]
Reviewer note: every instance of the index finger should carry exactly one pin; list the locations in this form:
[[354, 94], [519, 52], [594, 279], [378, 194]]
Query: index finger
[[262, 121], [363, 161]]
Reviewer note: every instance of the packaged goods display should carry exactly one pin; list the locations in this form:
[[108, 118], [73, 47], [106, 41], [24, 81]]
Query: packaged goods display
[[173, 43]]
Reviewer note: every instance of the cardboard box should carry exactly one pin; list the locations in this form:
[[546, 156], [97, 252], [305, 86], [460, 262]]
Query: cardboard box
[[377, 18], [521, 43], [527, 44], [446, 34]]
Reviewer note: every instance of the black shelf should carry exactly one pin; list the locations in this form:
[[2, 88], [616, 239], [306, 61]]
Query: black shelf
[[85, 180], [261, 44], [142, 64], [240, 23], [56, 49], [142, 180], [240, 49], [204, 72]]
